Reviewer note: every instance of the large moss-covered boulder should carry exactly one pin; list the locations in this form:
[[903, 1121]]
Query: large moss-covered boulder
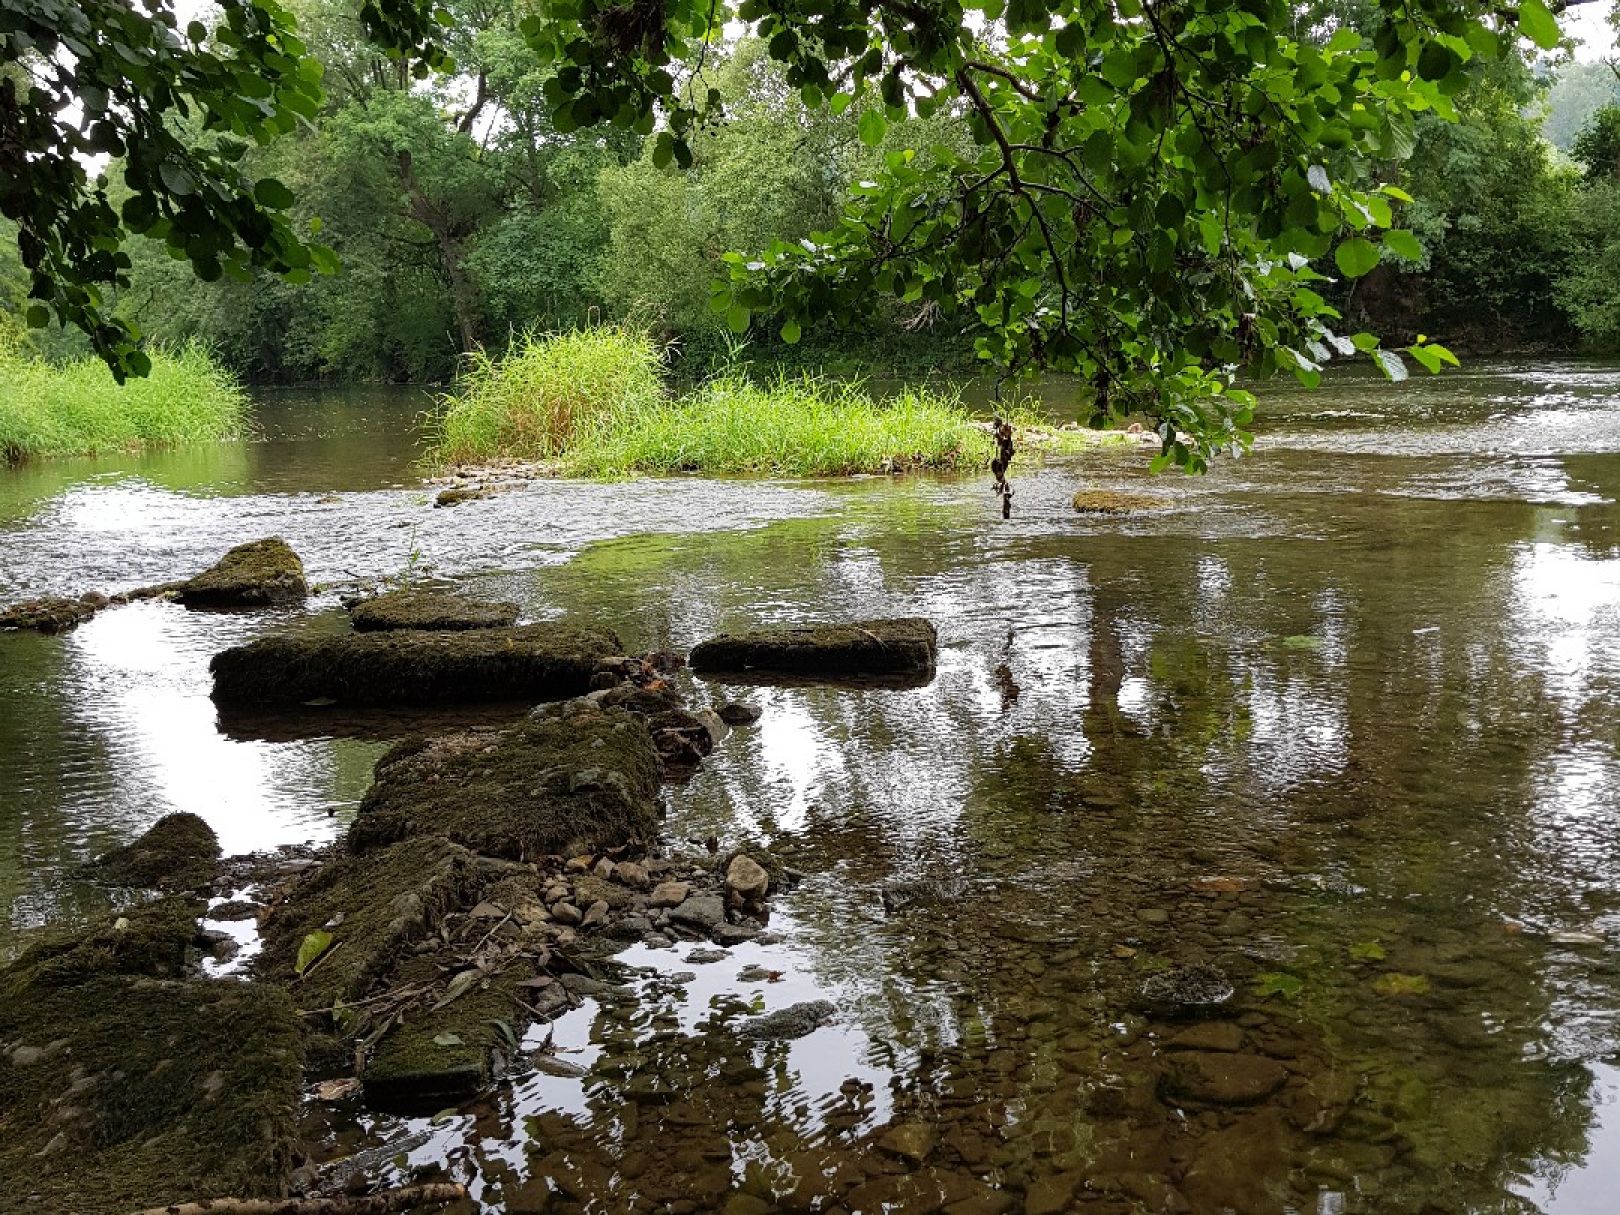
[[903, 647], [258, 574], [178, 852], [428, 610], [123, 1088], [529, 663], [586, 778]]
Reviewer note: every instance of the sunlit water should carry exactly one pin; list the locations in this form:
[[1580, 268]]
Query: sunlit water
[[1341, 719]]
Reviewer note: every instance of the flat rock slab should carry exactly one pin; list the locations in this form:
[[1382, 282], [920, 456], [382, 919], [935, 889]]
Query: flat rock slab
[[903, 647], [429, 610], [374, 908], [407, 667], [588, 778], [178, 852], [123, 1091], [258, 574]]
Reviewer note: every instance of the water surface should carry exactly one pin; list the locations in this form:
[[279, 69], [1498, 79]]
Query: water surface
[[1339, 719]]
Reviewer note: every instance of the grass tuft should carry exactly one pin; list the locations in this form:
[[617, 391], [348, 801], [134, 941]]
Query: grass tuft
[[76, 408]]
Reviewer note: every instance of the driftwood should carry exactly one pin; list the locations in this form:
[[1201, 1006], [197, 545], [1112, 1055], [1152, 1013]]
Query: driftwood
[[385, 1203]]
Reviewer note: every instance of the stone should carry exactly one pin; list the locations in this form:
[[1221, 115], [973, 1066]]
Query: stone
[[1196, 990], [1051, 1194], [714, 724], [736, 713], [1242, 1167], [747, 878], [457, 494], [178, 852], [257, 574], [794, 1021], [631, 874], [412, 609], [1222, 1078], [578, 864], [701, 956], [567, 913], [703, 912], [1210, 1035], [525, 663], [736, 934], [904, 647], [909, 1140], [604, 869], [595, 914], [50, 614], [669, 894]]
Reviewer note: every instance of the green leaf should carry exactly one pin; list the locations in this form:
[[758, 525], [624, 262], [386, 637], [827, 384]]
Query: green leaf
[[271, 193], [873, 127], [312, 947], [1356, 256], [1403, 245], [790, 331], [38, 316], [1390, 364], [1278, 983], [737, 318], [1538, 24]]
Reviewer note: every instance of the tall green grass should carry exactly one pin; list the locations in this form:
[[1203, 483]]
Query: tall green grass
[[792, 426], [549, 393], [76, 408]]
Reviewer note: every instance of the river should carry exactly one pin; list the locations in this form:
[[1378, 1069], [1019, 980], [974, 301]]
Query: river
[[1342, 717]]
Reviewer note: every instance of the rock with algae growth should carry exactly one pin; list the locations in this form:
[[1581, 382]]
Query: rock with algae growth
[[428, 610], [1112, 502], [903, 647], [178, 852], [407, 667], [587, 778], [261, 573], [123, 1088]]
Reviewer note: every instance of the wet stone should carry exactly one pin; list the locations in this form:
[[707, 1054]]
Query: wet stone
[[1221, 1078], [867, 647], [1187, 991], [794, 1021], [408, 609], [911, 1141], [702, 956], [702, 912], [746, 878], [738, 714], [1209, 1035], [669, 894]]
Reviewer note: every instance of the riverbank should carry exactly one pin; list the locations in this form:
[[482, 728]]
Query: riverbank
[[77, 409]]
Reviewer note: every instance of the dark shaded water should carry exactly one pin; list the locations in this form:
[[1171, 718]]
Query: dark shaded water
[[1341, 719]]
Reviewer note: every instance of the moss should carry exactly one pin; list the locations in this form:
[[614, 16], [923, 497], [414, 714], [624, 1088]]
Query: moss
[[437, 1055], [429, 610], [156, 940], [51, 614], [1112, 502], [588, 778], [375, 907], [250, 575], [179, 852], [867, 647], [530, 662], [124, 1093]]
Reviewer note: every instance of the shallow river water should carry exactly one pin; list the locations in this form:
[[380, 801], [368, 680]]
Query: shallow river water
[[1342, 719]]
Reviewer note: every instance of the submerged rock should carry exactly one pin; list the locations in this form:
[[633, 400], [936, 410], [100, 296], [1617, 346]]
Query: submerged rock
[[1187, 991], [588, 779], [526, 663], [902, 647], [178, 852], [250, 575], [125, 1089], [1112, 502], [428, 610], [1222, 1078], [794, 1021]]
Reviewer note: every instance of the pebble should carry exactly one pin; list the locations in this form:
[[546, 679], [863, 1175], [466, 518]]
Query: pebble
[[669, 894]]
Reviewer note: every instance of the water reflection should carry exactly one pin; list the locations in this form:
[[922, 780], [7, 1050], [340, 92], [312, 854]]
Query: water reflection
[[1341, 725]]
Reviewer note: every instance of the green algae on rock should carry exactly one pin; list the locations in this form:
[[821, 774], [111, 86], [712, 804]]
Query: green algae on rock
[[407, 609], [125, 1088], [51, 614], [898, 647], [404, 667], [588, 778], [261, 573], [178, 852], [1112, 502]]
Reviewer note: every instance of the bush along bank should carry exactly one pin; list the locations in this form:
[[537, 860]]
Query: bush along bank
[[77, 409], [592, 404]]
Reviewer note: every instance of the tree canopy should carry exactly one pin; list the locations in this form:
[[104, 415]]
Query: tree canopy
[[1153, 194]]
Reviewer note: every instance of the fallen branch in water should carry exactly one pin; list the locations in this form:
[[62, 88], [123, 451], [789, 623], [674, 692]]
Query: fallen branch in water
[[385, 1203]]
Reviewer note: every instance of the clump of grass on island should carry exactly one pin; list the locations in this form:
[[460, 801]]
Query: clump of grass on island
[[78, 409], [592, 404]]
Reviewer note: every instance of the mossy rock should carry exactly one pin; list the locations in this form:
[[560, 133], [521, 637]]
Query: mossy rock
[[1112, 502], [588, 778], [51, 614], [178, 852], [375, 907], [439, 1055], [528, 663], [258, 574], [124, 1093], [900, 647], [154, 940], [428, 610]]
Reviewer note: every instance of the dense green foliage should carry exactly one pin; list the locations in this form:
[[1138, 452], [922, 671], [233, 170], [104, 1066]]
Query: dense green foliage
[[77, 409]]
